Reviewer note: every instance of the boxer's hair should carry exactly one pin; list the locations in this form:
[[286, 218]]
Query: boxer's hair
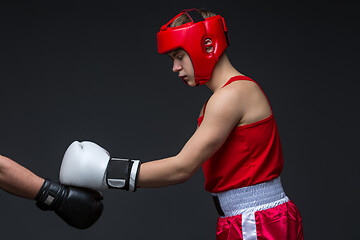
[[184, 18]]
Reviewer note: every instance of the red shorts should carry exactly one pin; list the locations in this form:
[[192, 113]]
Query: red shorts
[[259, 212], [280, 222]]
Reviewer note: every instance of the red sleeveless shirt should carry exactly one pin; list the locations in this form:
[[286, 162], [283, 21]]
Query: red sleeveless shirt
[[251, 154]]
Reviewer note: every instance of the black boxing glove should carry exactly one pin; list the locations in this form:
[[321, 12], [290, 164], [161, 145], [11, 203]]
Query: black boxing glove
[[78, 207]]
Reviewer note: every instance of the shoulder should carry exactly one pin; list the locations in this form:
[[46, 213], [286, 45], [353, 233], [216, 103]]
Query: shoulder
[[224, 106], [241, 102], [242, 88], [235, 95], [251, 101]]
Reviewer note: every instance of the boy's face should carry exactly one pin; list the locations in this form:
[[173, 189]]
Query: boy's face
[[182, 64]]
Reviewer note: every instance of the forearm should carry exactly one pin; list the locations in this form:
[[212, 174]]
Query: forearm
[[164, 172], [85, 164], [18, 180], [177, 169]]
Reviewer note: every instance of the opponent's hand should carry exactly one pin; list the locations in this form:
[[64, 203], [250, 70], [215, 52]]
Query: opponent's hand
[[80, 208], [86, 164]]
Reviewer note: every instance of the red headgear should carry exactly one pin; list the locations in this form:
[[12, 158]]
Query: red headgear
[[191, 37]]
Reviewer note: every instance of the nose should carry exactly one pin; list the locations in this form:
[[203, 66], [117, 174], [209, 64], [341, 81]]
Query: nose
[[176, 66]]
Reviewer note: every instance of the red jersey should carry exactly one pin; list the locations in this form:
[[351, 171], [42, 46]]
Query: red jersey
[[251, 154]]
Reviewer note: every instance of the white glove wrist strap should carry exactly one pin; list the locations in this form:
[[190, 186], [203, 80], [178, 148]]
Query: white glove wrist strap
[[122, 173]]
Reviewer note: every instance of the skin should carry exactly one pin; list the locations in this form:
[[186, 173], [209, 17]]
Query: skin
[[18, 180], [237, 104]]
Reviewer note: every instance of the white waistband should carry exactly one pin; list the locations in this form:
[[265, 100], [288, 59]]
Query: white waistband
[[252, 198]]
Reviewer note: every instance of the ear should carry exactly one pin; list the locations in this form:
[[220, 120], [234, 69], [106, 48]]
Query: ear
[[208, 45]]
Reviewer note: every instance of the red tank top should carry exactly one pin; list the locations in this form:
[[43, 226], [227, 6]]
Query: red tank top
[[251, 154]]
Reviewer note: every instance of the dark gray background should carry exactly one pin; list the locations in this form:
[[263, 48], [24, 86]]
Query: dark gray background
[[89, 70]]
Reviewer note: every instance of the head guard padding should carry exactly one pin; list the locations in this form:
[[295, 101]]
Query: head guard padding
[[191, 37]]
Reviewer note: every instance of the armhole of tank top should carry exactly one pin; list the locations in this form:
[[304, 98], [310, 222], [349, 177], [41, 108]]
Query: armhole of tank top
[[245, 78], [264, 95]]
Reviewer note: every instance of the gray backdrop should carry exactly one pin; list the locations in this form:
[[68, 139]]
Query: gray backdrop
[[89, 70]]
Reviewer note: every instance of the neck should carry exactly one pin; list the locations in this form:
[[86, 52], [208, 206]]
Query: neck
[[222, 72]]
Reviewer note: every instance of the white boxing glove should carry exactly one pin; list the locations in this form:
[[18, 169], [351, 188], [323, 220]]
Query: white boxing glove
[[86, 164]]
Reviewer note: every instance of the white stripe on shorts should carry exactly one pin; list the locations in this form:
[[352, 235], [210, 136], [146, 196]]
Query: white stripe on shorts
[[249, 226]]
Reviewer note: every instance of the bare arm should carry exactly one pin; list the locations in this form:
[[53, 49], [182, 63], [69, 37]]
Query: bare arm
[[222, 115], [18, 180]]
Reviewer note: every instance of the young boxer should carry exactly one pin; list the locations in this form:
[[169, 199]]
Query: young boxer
[[237, 142]]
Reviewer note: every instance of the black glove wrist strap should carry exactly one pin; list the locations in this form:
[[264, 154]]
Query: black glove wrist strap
[[49, 195]]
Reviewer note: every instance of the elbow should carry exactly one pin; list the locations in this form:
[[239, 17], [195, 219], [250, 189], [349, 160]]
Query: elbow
[[183, 176], [184, 169], [185, 172]]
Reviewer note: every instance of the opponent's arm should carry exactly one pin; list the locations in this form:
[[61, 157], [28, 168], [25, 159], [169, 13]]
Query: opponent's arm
[[18, 180], [80, 208]]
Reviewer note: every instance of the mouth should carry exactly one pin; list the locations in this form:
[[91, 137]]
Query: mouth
[[184, 79]]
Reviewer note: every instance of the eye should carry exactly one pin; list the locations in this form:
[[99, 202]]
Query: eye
[[180, 56]]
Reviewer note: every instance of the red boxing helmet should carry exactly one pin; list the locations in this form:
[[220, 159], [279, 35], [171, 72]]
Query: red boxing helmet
[[191, 37]]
